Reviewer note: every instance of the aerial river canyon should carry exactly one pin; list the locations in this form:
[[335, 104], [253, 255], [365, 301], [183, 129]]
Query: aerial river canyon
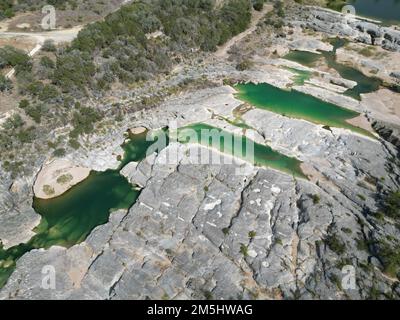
[[301, 109]]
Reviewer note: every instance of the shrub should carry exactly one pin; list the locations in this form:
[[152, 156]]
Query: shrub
[[244, 250], [65, 178], [391, 259], [27, 135], [316, 198], [47, 62], [48, 190], [23, 104], [83, 121], [48, 92], [10, 56], [59, 153], [278, 7], [13, 122], [49, 46], [5, 84], [252, 234], [391, 205], [74, 144], [258, 5], [244, 65], [335, 244], [35, 112], [74, 70]]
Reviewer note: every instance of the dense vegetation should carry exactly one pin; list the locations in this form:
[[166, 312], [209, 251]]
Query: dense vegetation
[[388, 249], [336, 4], [134, 44], [6, 9], [12, 57], [126, 54]]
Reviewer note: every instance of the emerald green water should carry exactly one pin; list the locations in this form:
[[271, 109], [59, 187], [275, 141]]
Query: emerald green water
[[68, 219], [365, 84], [264, 156], [300, 76], [297, 105]]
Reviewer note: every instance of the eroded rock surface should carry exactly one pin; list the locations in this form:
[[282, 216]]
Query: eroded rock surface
[[200, 231]]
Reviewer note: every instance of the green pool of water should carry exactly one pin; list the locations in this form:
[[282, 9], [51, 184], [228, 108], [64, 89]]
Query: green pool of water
[[387, 11], [300, 76], [297, 105], [68, 219], [264, 156], [365, 84]]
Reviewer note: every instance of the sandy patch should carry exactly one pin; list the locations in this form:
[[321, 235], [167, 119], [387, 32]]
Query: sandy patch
[[362, 122], [316, 176], [383, 105], [137, 130], [58, 177], [23, 26], [23, 43]]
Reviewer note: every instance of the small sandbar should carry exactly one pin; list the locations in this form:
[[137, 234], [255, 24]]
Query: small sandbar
[[362, 122], [383, 105], [58, 177], [137, 130]]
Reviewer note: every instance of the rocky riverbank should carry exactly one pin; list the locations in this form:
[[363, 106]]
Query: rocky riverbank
[[204, 231]]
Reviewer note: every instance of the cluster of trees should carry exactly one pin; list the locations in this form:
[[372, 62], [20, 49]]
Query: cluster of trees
[[120, 48], [123, 50], [83, 120], [13, 136], [258, 4], [12, 57], [5, 84], [6, 9], [336, 4]]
